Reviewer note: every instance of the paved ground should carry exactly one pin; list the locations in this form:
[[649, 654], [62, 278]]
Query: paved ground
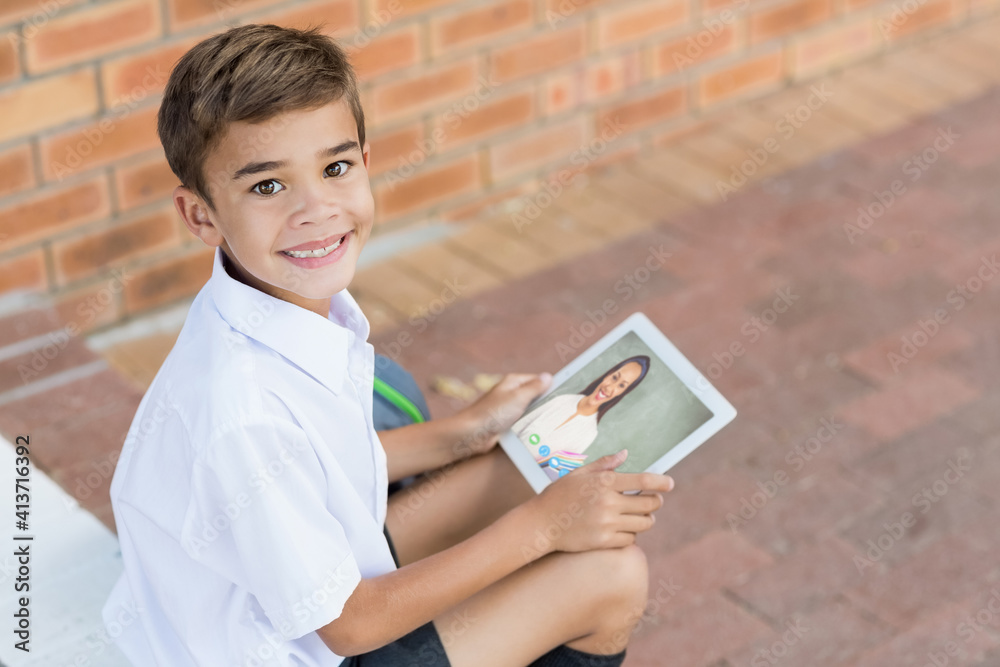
[[870, 399], [882, 539]]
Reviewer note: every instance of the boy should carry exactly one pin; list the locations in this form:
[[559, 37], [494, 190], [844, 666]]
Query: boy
[[250, 497]]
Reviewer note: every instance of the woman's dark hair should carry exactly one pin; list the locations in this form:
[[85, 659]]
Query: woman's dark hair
[[643, 362]]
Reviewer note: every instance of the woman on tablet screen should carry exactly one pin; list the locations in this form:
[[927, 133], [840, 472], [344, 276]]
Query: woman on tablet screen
[[559, 431]]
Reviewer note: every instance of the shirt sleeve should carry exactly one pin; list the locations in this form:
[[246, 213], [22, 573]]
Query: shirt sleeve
[[258, 515]]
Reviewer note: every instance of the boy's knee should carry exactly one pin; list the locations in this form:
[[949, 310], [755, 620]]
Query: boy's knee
[[633, 571], [624, 571]]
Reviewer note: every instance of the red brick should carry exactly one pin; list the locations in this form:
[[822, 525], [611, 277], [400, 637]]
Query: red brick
[[53, 210], [17, 171], [484, 203], [30, 13], [143, 182], [873, 360], [486, 120], [716, 560], [419, 93], [549, 144], [700, 633], [48, 101], [829, 636], [89, 254], [540, 54], [693, 49], [812, 574], [477, 25], [47, 358], [170, 280], [388, 52], [908, 403], [644, 111], [398, 8], [139, 75], [832, 48], [562, 92], [637, 22], [334, 17], [114, 137], [751, 76], [895, 23], [25, 271], [914, 644], [558, 11], [186, 13], [92, 32], [10, 66], [388, 148], [777, 21], [93, 305], [427, 187], [605, 79]]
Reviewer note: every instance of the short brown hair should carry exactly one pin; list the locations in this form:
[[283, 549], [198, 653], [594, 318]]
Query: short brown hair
[[248, 73]]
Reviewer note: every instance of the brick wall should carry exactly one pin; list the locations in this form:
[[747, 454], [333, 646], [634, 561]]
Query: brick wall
[[469, 103]]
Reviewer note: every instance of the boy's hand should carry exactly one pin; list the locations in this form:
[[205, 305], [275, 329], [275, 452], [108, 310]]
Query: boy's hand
[[586, 509], [497, 410]]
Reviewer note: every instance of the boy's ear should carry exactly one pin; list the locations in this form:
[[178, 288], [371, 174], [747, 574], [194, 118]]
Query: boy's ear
[[194, 213], [365, 154]]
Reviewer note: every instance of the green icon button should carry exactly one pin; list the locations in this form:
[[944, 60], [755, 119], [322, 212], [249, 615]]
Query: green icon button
[[534, 439]]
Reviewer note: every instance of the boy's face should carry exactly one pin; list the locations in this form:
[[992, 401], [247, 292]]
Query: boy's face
[[293, 206]]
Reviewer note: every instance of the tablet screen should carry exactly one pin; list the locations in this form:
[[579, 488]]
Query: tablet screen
[[626, 397]]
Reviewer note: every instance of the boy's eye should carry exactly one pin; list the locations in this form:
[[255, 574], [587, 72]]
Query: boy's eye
[[338, 168], [266, 188]]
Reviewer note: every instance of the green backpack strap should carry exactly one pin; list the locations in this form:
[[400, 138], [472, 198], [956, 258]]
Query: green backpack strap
[[391, 394]]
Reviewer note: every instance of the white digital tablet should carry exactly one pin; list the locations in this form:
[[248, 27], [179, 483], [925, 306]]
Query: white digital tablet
[[632, 389]]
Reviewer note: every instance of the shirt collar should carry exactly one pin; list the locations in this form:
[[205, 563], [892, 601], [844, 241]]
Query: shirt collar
[[317, 345]]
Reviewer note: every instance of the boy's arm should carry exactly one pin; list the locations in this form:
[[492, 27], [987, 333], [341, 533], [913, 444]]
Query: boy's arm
[[417, 448], [384, 608]]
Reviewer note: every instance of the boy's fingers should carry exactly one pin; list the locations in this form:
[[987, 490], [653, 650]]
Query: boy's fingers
[[642, 503], [642, 481]]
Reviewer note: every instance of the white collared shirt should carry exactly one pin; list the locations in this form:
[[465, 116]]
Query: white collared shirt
[[250, 496]]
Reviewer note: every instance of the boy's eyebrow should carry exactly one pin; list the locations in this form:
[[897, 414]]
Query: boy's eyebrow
[[257, 167]]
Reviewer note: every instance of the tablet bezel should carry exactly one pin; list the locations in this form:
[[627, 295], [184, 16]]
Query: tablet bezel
[[722, 410]]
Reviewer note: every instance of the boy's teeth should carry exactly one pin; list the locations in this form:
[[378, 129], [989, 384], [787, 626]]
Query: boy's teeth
[[319, 252]]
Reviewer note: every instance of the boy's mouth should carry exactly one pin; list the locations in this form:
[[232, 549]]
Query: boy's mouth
[[316, 252]]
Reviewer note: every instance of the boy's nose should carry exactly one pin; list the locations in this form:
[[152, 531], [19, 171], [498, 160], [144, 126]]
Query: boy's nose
[[315, 204]]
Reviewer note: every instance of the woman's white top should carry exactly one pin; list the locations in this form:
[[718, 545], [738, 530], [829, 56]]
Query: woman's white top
[[546, 421]]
